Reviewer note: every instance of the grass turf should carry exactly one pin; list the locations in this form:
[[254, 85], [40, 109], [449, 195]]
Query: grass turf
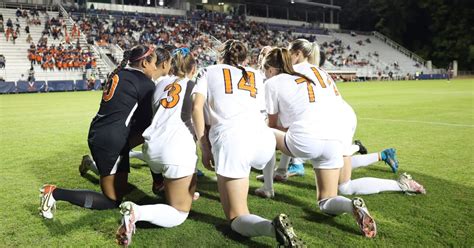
[[43, 137]]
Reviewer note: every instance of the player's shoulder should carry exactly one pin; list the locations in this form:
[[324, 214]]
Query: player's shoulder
[[279, 79], [250, 69], [167, 80]]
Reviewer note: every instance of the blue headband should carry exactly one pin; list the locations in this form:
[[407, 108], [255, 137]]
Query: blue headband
[[183, 50]]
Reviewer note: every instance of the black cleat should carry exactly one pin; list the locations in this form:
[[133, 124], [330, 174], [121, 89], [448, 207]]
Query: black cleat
[[285, 235], [362, 149]]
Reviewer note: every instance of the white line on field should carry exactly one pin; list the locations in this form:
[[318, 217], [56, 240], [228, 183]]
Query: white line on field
[[422, 122]]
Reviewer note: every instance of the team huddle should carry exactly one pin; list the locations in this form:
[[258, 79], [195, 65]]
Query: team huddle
[[238, 116]]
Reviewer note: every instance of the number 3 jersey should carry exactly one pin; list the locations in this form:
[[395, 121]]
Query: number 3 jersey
[[231, 100], [170, 137], [125, 106]]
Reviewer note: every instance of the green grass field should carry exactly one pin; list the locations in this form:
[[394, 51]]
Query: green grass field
[[430, 123]]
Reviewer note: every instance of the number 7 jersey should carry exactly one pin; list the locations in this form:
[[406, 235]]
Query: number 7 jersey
[[230, 98]]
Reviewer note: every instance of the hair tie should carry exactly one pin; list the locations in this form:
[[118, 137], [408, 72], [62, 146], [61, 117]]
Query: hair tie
[[150, 50], [183, 50]]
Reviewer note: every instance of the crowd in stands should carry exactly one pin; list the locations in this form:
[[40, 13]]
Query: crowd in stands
[[60, 57], [64, 56], [201, 31]]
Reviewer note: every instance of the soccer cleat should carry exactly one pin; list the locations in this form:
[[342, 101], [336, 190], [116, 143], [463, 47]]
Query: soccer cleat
[[284, 233], [410, 186], [262, 192], [85, 164], [125, 231], [295, 170], [48, 203], [362, 149], [389, 156], [364, 220], [278, 176]]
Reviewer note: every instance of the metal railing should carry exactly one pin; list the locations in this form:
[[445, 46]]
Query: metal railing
[[399, 48], [109, 65]]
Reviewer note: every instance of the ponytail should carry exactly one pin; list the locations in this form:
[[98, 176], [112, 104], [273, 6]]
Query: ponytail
[[234, 53], [183, 62], [123, 63], [314, 56]]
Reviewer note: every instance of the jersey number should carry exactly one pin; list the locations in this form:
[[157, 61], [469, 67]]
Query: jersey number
[[320, 81], [248, 85], [173, 91], [109, 89], [310, 88]]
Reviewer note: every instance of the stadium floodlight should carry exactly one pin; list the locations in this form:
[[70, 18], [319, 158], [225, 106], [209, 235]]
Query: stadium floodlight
[[292, 1], [147, 2], [204, 1], [161, 2]]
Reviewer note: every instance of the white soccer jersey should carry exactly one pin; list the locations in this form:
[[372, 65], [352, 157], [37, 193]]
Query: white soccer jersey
[[230, 99], [169, 139], [295, 101], [326, 87], [239, 136]]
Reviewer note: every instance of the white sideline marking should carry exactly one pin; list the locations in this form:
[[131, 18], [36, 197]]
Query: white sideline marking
[[422, 122]]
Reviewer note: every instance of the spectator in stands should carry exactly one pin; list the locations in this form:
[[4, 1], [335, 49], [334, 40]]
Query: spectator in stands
[[14, 36], [31, 75], [2, 61], [18, 12], [29, 39], [27, 29], [22, 78], [9, 23]]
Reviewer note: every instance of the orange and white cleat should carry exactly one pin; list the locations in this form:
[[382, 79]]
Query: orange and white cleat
[[48, 203], [410, 186], [364, 220], [127, 228]]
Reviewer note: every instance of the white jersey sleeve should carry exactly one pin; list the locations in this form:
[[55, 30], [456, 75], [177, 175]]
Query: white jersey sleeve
[[201, 83], [271, 99]]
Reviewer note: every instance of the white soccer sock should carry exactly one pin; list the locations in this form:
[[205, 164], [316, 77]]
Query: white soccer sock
[[298, 161], [268, 174], [336, 205], [354, 149], [284, 161], [137, 155], [367, 186], [364, 160], [161, 215], [251, 225]]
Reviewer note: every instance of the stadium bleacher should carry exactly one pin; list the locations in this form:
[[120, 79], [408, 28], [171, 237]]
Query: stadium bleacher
[[363, 55]]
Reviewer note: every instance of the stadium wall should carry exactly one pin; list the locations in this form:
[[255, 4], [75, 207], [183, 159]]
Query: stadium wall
[[289, 22], [129, 8], [46, 86]]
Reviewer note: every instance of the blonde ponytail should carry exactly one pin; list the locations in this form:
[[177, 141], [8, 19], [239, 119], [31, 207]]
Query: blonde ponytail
[[314, 56]]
